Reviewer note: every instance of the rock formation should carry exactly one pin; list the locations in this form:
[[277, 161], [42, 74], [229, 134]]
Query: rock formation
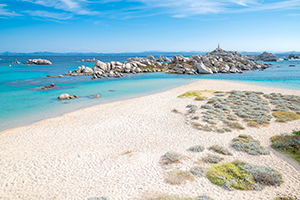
[[38, 62]]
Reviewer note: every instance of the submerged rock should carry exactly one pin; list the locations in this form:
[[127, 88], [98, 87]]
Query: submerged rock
[[66, 96]]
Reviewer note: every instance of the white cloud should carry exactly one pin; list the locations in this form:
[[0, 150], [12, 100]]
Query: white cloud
[[49, 15], [6, 12], [74, 6]]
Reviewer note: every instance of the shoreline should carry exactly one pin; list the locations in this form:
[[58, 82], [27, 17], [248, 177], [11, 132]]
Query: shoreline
[[132, 98], [114, 149]]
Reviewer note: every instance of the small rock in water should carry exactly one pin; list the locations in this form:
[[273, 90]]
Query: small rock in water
[[60, 76], [111, 90], [292, 65], [66, 96]]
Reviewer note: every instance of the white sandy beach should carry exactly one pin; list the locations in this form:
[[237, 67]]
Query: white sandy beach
[[114, 149]]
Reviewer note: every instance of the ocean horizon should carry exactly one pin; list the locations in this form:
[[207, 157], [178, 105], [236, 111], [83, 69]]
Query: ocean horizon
[[24, 102]]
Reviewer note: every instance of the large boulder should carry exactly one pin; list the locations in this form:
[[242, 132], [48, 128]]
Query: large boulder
[[38, 62], [202, 69], [87, 70], [101, 65], [267, 57]]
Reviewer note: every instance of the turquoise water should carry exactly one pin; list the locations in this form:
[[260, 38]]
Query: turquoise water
[[22, 103]]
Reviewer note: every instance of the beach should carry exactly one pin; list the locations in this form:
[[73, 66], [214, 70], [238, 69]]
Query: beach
[[114, 150]]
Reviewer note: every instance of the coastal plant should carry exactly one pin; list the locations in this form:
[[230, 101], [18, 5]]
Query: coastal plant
[[248, 144], [197, 148], [170, 157], [177, 177], [288, 144], [243, 176], [286, 198], [210, 158], [197, 171], [204, 197], [220, 149], [283, 116]]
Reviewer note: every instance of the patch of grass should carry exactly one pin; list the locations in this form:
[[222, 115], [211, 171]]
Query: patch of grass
[[288, 144], [243, 176], [170, 157], [210, 158], [234, 125], [178, 177], [248, 144], [231, 174], [221, 150], [283, 116], [296, 132], [191, 94]]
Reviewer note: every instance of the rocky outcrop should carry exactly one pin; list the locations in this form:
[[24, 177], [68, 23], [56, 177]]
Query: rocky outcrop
[[217, 61], [293, 57], [38, 62], [52, 85], [88, 60], [267, 57], [66, 96]]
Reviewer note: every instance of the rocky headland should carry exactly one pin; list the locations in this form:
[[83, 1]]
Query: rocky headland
[[217, 61]]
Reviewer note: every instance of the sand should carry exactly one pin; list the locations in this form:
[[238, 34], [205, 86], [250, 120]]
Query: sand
[[114, 149]]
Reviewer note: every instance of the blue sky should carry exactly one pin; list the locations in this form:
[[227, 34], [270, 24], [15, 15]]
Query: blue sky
[[112, 26]]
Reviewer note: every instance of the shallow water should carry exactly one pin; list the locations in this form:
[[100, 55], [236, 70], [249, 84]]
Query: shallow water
[[22, 102]]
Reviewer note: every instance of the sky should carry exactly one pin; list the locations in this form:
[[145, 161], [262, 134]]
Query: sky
[[116, 26]]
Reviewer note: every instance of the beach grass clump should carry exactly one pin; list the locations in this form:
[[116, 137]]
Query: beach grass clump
[[204, 197], [220, 149], [197, 171], [284, 116], [170, 157], [197, 148], [231, 175], [210, 158], [288, 144], [169, 197], [248, 144], [97, 198], [178, 177], [192, 108], [234, 125], [243, 176], [201, 98]]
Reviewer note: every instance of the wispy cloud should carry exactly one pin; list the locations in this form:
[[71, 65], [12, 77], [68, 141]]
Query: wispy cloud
[[294, 15], [185, 8], [74, 6], [6, 12], [49, 15]]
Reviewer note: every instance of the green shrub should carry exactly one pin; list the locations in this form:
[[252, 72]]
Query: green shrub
[[220, 150], [212, 158], [197, 148], [243, 176], [248, 144], [170, 157], [197, 171], [288, 144]]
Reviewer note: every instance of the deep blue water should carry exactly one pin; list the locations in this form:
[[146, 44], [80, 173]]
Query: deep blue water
[[22, 103]]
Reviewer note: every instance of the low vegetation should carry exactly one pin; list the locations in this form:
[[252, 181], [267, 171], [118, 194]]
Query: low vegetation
[[178, 177], [286, 198], [248, 144], [197, 148], [284, 116], [170, 157], [243, 176], [288, 144], [221, 150], [173, 197], [212, 158]]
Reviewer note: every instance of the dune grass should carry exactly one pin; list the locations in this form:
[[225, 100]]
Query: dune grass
[[284, 116]]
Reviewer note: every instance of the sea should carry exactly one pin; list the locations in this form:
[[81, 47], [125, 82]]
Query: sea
[[23, 102]]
